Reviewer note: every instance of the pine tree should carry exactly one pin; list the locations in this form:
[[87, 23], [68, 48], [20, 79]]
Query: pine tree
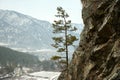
[[63, 39]]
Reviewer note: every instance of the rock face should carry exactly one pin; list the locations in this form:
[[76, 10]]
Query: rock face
[[98, 54]]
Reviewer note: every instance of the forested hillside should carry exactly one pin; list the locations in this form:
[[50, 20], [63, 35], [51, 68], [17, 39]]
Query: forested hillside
[[10, 57], [14, 57]]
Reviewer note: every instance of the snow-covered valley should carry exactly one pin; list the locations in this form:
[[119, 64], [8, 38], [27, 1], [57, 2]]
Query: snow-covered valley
[[42, 75]]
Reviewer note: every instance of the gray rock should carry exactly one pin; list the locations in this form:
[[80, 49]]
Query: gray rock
[[98, 54]]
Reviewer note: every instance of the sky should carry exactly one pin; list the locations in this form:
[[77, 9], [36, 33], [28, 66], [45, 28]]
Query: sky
[[44, 9]]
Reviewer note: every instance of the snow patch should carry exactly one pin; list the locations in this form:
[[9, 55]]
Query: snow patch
[[43, 75], [4, 44]]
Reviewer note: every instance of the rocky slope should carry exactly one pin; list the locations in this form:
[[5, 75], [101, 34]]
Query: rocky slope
[[98, 54]]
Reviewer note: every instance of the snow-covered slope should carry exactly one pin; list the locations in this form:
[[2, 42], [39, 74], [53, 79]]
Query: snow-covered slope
[[27, 34], [22, 31]]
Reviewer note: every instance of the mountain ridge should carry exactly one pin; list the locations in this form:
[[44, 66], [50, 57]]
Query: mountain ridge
[[25, 33], [12, 23]]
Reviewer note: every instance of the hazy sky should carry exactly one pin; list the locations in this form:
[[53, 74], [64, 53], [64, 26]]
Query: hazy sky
[[44, 9]]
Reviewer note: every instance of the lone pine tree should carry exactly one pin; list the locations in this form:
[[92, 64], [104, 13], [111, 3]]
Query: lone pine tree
[[63, 39]]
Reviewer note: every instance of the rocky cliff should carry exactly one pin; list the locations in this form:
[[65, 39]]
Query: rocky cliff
[[98, 54]]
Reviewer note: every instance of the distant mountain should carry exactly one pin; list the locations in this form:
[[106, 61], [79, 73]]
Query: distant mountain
[[24, 33]]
